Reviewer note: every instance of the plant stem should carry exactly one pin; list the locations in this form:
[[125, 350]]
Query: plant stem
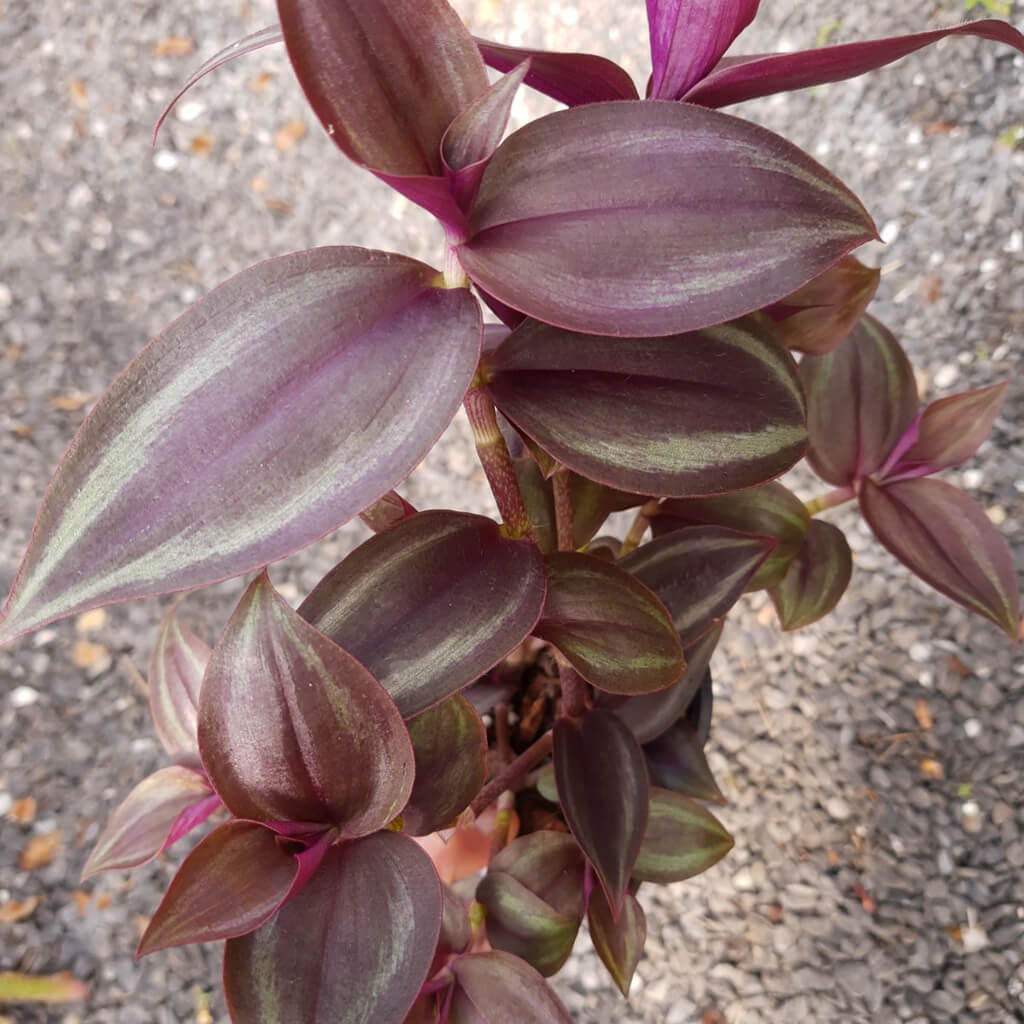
[[829, 500], [636, 533], [512, 773], [502, 822], [497, 463], [563, 510], [574, 688]]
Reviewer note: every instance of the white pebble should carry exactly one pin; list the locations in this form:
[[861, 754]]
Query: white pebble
[[5, 803], [838, 808], [5, 296], [165, 160], [1015, 243], [920, 652], [974, 938], [973, 478], [23, 696], [946, 375], [970, 817], [972, 728], [190, 110]]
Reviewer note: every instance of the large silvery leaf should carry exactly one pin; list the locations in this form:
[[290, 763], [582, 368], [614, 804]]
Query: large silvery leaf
[[449, 743], [944, 536], [431, 604], [770, 510], [602, 785], [746, 78], [175, 674], [688, 37], [861, 397], [816, 578], [650, 714], [272, 411], [142, 824], [699, 572], [385, 77], [228, 885], [569, 78], [951, 430], [653, 218], [292, 728], [353, 946], [498, 988], [612, 629], [682, 840], [655, 415]]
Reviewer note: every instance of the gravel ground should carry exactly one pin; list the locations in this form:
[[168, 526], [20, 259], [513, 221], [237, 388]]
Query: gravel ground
[[872, 761]]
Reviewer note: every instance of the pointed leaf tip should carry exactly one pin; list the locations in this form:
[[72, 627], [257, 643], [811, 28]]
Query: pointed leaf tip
[[293, 728]]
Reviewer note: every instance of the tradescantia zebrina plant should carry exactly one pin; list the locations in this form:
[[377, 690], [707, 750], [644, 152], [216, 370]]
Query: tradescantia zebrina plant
[[530, 699]]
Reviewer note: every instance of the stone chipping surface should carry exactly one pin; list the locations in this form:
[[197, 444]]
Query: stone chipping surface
[[872, 761]]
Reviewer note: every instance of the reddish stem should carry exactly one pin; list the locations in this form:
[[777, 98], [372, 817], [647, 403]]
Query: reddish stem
[[563, 509], [512, 773]]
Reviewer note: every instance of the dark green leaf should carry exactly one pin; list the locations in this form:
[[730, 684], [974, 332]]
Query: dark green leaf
[[619, 944], [601, 776], [682, 840], [431, 604], [816, 578], [498, 988], [655, 415]]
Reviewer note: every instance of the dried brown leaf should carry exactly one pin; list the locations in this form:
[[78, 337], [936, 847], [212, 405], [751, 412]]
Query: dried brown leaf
[[71, 402], [23, 811], [90, 621], [78, 93], [174, 46], [289, 134], [17, 910], [923, 714], [40, 851]]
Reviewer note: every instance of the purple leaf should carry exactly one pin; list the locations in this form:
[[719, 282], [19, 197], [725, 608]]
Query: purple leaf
[[764, 74], [649, 715], [699, 573], [688, 37], [816, 578], [230, 884], [676, 761], [498, 988], [247, 44], [175, 673], [569, 78], [609, 626], [353, 946], [655, 415], [456, 931], [682, 840], [385, 77], [269, 388], [681, 218], [770, 510], [144, 823], [943, 536], [601, 777], [387, 512], [449, 743], [431, 604], [619, 944], [533, 895], [819, 316], [471, 139], [951, 430], [861, 397], [292, 728]]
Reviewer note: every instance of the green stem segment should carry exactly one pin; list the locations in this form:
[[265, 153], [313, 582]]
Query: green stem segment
[[497, 463], [636, 532], [839, 496], [563, 510], [512, 773]]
